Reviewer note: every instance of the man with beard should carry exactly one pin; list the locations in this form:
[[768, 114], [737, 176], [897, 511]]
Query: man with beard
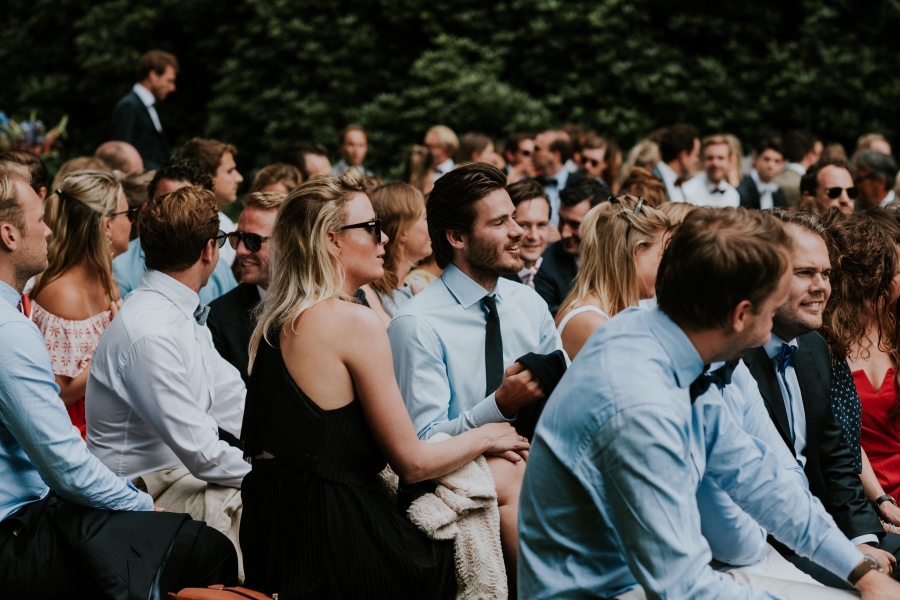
[[448, 384]]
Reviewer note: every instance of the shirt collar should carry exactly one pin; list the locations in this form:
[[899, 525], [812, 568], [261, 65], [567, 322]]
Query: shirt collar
[[464, 289], [144, 94], [262, 292], [796, 168], [186, 299], [762, 187], [10, 295], [773, 348], [710, 186], [685, 359], [445, 167], [669, 176], [889, 198], [532, 269], [561, 177]]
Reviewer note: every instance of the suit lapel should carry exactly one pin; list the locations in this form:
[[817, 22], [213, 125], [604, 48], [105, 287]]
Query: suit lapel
[[811, 388], [250, 298], [764, 373]]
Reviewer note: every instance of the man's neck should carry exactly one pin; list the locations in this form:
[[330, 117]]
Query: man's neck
[[677, 167], [485, 278], [191, 278], [713, 181], [712, 345], [555, 169], [528, 264]]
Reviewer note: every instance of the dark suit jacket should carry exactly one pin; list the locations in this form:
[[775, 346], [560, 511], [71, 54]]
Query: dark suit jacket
[[231, 325], [131, 122], [750, 195], [554, 279], [829, 464]]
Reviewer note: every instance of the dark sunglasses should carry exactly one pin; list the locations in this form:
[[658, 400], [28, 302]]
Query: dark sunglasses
[[835, 192], [220, 239], [131, 212], [590, 161], [252, 241], [374, 226], [525, 152]]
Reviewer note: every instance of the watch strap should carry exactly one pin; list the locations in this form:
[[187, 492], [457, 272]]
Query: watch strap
[[865, 565]]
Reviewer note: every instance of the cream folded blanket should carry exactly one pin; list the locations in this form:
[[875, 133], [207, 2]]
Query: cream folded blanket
[[463, 508]]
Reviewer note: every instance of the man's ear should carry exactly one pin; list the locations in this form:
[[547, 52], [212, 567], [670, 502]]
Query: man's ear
[[209, 251], [741, 316], [456, 239], [9, 236]]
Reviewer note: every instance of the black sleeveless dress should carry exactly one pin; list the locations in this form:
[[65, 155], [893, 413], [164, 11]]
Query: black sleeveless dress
[[315, 522]]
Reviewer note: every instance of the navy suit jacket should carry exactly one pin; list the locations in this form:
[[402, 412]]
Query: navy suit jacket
[[231, 324], [750, 195], [131, 122], [555, 277]]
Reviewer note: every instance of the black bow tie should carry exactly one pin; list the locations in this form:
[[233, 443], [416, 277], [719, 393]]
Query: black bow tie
[[547, 181], [718, 191], [721, 377], [201, 313]]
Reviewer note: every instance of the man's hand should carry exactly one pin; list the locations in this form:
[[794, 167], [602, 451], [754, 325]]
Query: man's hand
[[519, 388], [885, 559], [877, 586]]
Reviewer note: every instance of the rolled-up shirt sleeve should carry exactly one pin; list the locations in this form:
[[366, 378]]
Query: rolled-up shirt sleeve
[[155, 377], [32, 411]]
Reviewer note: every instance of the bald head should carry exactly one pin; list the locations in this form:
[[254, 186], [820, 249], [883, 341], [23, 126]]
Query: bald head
[[120, 156]]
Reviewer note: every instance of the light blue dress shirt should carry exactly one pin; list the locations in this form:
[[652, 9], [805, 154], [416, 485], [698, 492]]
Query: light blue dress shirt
[[39, 447], [609, 497], [562, 178], [437, 341], [129, 267]]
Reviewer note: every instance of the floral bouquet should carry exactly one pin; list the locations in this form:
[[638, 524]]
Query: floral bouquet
[[31, 135]]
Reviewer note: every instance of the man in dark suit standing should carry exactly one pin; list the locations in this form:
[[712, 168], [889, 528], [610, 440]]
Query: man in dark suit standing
[[758, 188], [231, 320], [134, 118], [560, 260], [794, 378]]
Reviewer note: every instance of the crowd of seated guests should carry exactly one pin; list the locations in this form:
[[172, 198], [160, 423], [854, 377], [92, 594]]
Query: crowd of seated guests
[[678, 375]]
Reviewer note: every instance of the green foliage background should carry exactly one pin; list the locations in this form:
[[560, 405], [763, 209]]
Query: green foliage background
[[260, 73]]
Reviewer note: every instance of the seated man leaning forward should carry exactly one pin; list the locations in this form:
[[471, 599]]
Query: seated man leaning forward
[[608, 504], [455, 343], [160, 401], [69, 528]]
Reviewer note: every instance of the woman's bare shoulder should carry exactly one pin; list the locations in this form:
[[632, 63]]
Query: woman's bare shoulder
[[67, 299]]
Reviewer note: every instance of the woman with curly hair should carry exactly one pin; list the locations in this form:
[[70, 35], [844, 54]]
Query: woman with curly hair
[[860, 326]]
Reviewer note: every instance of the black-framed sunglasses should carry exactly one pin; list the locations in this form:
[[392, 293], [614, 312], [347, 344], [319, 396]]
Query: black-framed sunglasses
[[252, 241], [220, 239], [132, 213], [590, 161], [374, 226], [835, 192]]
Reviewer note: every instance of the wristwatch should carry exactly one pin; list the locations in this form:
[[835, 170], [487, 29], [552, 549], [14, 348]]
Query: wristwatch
[[881, 500], [865, 565]]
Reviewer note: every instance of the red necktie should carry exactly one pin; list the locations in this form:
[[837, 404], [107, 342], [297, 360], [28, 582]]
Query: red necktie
[[25, 306]]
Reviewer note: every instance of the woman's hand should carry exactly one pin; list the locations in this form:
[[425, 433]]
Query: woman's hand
[[502, 439], [891, 514]]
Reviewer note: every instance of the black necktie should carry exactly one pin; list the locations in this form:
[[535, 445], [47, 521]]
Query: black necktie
[[493, 348], [721, 377]]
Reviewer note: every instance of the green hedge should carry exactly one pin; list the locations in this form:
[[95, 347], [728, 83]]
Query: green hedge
[[259, 73]]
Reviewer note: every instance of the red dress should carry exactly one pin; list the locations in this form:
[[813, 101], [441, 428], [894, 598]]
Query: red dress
[[880, 434]]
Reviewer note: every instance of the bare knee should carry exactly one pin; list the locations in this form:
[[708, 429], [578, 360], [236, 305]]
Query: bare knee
[[507, 479]]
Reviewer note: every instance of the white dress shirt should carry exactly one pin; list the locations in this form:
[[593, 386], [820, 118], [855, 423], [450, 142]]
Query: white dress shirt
[[700, 191], [562, 178], [796, 168], [669, 177], [158, 391], [226, 252], [765, 190], [149, 100], [526, 274], [891, 196], [443, 168]]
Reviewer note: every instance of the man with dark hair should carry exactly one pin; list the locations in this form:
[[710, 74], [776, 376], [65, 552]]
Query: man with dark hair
[[311, 158], [134, 118], [802, 150], [758, 189], [793, 371], [165, 407], [560, 264], [130, 266], [679, 151], [231, 320], [608, 504], [552, 149], [353, 143], [593, 157], [876, 174], [518, 153], [828, 184], [69, 528], [120, 156], [40, 179], [446, 386], [533, 216]]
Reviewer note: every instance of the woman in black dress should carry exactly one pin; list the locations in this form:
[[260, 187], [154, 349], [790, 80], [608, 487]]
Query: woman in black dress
[[324, 416]]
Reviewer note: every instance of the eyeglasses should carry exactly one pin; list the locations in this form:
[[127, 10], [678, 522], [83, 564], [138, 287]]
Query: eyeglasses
[[374, 226], [835, 192], [220, 239], [590, 161], [132, 213], [525, 152], [252, 241]]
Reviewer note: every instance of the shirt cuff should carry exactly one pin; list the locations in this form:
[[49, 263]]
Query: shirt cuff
[[869, 538], [143, 500], [487, 411], [837, 554]]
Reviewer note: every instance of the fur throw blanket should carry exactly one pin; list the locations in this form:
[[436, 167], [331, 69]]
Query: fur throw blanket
[[463, 508]]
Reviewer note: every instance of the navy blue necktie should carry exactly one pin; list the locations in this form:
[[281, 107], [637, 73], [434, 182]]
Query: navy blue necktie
[[786, 357], [721, 377]]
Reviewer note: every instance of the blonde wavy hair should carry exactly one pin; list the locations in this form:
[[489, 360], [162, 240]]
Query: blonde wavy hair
[[305, 267], [75, 214], [611, 235], [398, 205]]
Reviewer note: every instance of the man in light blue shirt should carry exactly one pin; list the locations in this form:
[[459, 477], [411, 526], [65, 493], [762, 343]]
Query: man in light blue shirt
[[66, 522], [130, 266], [608, 505]]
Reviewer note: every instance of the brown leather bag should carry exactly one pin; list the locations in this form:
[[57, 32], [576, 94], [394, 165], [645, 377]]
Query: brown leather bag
[[219, 592]]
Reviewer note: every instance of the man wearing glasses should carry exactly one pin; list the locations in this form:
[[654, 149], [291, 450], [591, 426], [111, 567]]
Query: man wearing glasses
[[164, 406], [231, 319], [828, 184], [593, 158], [876, 174]]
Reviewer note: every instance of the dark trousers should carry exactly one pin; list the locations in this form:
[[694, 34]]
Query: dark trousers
[[890, 543], [56, 549]]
